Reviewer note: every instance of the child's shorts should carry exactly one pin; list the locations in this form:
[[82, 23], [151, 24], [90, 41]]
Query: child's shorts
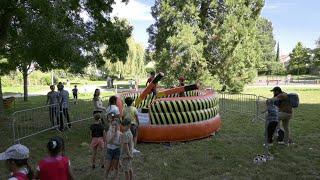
[[97, 142], [113, 154], [126, 164]]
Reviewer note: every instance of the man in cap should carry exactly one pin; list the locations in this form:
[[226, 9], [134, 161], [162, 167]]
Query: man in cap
[[285, 111]]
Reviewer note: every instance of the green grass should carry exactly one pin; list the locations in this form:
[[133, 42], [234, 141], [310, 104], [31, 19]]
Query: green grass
[[227, 155]]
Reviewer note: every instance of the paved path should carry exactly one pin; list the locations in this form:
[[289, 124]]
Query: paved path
[[84, 89]]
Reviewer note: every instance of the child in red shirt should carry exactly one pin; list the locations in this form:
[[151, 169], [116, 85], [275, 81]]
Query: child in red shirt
[[55, 166]]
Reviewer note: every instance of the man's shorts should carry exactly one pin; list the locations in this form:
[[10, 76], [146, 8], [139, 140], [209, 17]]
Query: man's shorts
[[134, 129], [126, 164], [113, 154]]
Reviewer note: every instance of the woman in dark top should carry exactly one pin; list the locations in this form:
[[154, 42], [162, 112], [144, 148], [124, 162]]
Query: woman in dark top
[[98, 138]]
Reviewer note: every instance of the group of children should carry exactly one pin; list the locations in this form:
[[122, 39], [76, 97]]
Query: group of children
[[55, 166], [106, 136]]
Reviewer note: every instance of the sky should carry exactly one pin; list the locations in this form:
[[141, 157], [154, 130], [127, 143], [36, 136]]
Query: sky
[[293, 20]]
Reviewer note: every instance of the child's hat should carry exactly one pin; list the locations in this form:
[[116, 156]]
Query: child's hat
[[17, 151]]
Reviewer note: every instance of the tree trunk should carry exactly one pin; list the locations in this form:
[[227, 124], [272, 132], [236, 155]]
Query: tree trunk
[[1, 102], [25, 83]]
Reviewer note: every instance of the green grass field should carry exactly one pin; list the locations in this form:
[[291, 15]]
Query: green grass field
[[227, 155]]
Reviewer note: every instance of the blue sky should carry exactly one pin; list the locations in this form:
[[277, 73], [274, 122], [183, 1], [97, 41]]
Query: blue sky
[[293, 20]]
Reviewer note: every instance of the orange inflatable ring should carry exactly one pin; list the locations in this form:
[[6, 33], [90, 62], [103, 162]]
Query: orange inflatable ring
[[174, 118]]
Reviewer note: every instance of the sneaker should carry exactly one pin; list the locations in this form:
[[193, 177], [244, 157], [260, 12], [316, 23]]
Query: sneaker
[[281, 142], [135, 151], [269, 144]]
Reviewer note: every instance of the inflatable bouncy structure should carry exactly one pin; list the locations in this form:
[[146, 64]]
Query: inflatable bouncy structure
[[167, 117]]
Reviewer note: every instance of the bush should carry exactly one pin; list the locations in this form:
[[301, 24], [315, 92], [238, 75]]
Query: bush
[[45, 80]]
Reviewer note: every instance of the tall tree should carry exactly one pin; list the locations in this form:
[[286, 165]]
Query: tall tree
[[133, 66], [52, 34], [232, 47], [176, 40], [278, 53], [299, 58]]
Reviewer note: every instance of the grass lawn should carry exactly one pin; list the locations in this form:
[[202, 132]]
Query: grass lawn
[[227, 155]]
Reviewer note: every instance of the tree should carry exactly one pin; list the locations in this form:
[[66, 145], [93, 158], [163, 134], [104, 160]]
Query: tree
[[278, 53], [299, 58], [133, 66], [51, 34], [175, 40], [232, 48], [267, 44]]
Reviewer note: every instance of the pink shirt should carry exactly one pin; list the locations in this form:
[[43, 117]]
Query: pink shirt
[[54, 168]]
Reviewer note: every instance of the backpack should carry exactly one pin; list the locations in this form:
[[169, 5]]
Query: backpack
[[293, 99]]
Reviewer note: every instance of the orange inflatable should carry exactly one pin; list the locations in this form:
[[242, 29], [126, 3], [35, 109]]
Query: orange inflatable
[[171, 119]]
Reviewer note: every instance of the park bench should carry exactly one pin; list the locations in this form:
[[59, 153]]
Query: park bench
[[277, 81], [8, 102]]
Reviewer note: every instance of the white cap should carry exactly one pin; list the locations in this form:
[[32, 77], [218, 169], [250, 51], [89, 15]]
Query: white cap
[[17, 151]]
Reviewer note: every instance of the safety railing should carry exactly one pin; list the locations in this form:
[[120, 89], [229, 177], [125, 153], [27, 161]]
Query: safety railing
[[30, 122]]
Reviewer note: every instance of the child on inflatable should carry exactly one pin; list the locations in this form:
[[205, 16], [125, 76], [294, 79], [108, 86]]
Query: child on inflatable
[[98, 138], [113, 147], [16, 158], [56, 165], [126, 149], [130, 112]]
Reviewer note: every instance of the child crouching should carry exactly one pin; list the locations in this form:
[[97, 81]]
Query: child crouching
[[272, 120]]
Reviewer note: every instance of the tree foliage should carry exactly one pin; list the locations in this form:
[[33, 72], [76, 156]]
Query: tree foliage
[[52, 34], [299, 59], [175, 39], [228, 38], [133, 66]]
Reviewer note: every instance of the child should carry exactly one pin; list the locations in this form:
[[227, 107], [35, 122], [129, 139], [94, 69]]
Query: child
[[75, 94], [131, 113], [126, 149], [272, 119], [56, 165], [113, 148], [16, 158], [113, 108], [98, 138]]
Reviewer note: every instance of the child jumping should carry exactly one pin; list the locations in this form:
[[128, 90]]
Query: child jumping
[[130, 112], [16, 158], [113, 148], [98, 138], [56, 165], [126, 149], [272, 120]]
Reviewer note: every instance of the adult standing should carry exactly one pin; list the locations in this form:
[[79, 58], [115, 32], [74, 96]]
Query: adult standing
[[98, 106], [285, 111], [64, 106], [53, 100], [150, 79]]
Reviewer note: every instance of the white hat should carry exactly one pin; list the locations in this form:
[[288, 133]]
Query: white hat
[[17, 151]]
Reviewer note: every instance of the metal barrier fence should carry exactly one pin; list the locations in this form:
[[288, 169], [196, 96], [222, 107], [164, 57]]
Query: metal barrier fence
[[30, 122]]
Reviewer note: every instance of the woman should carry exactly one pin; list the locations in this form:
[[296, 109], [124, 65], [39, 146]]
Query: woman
[[98, 106]]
